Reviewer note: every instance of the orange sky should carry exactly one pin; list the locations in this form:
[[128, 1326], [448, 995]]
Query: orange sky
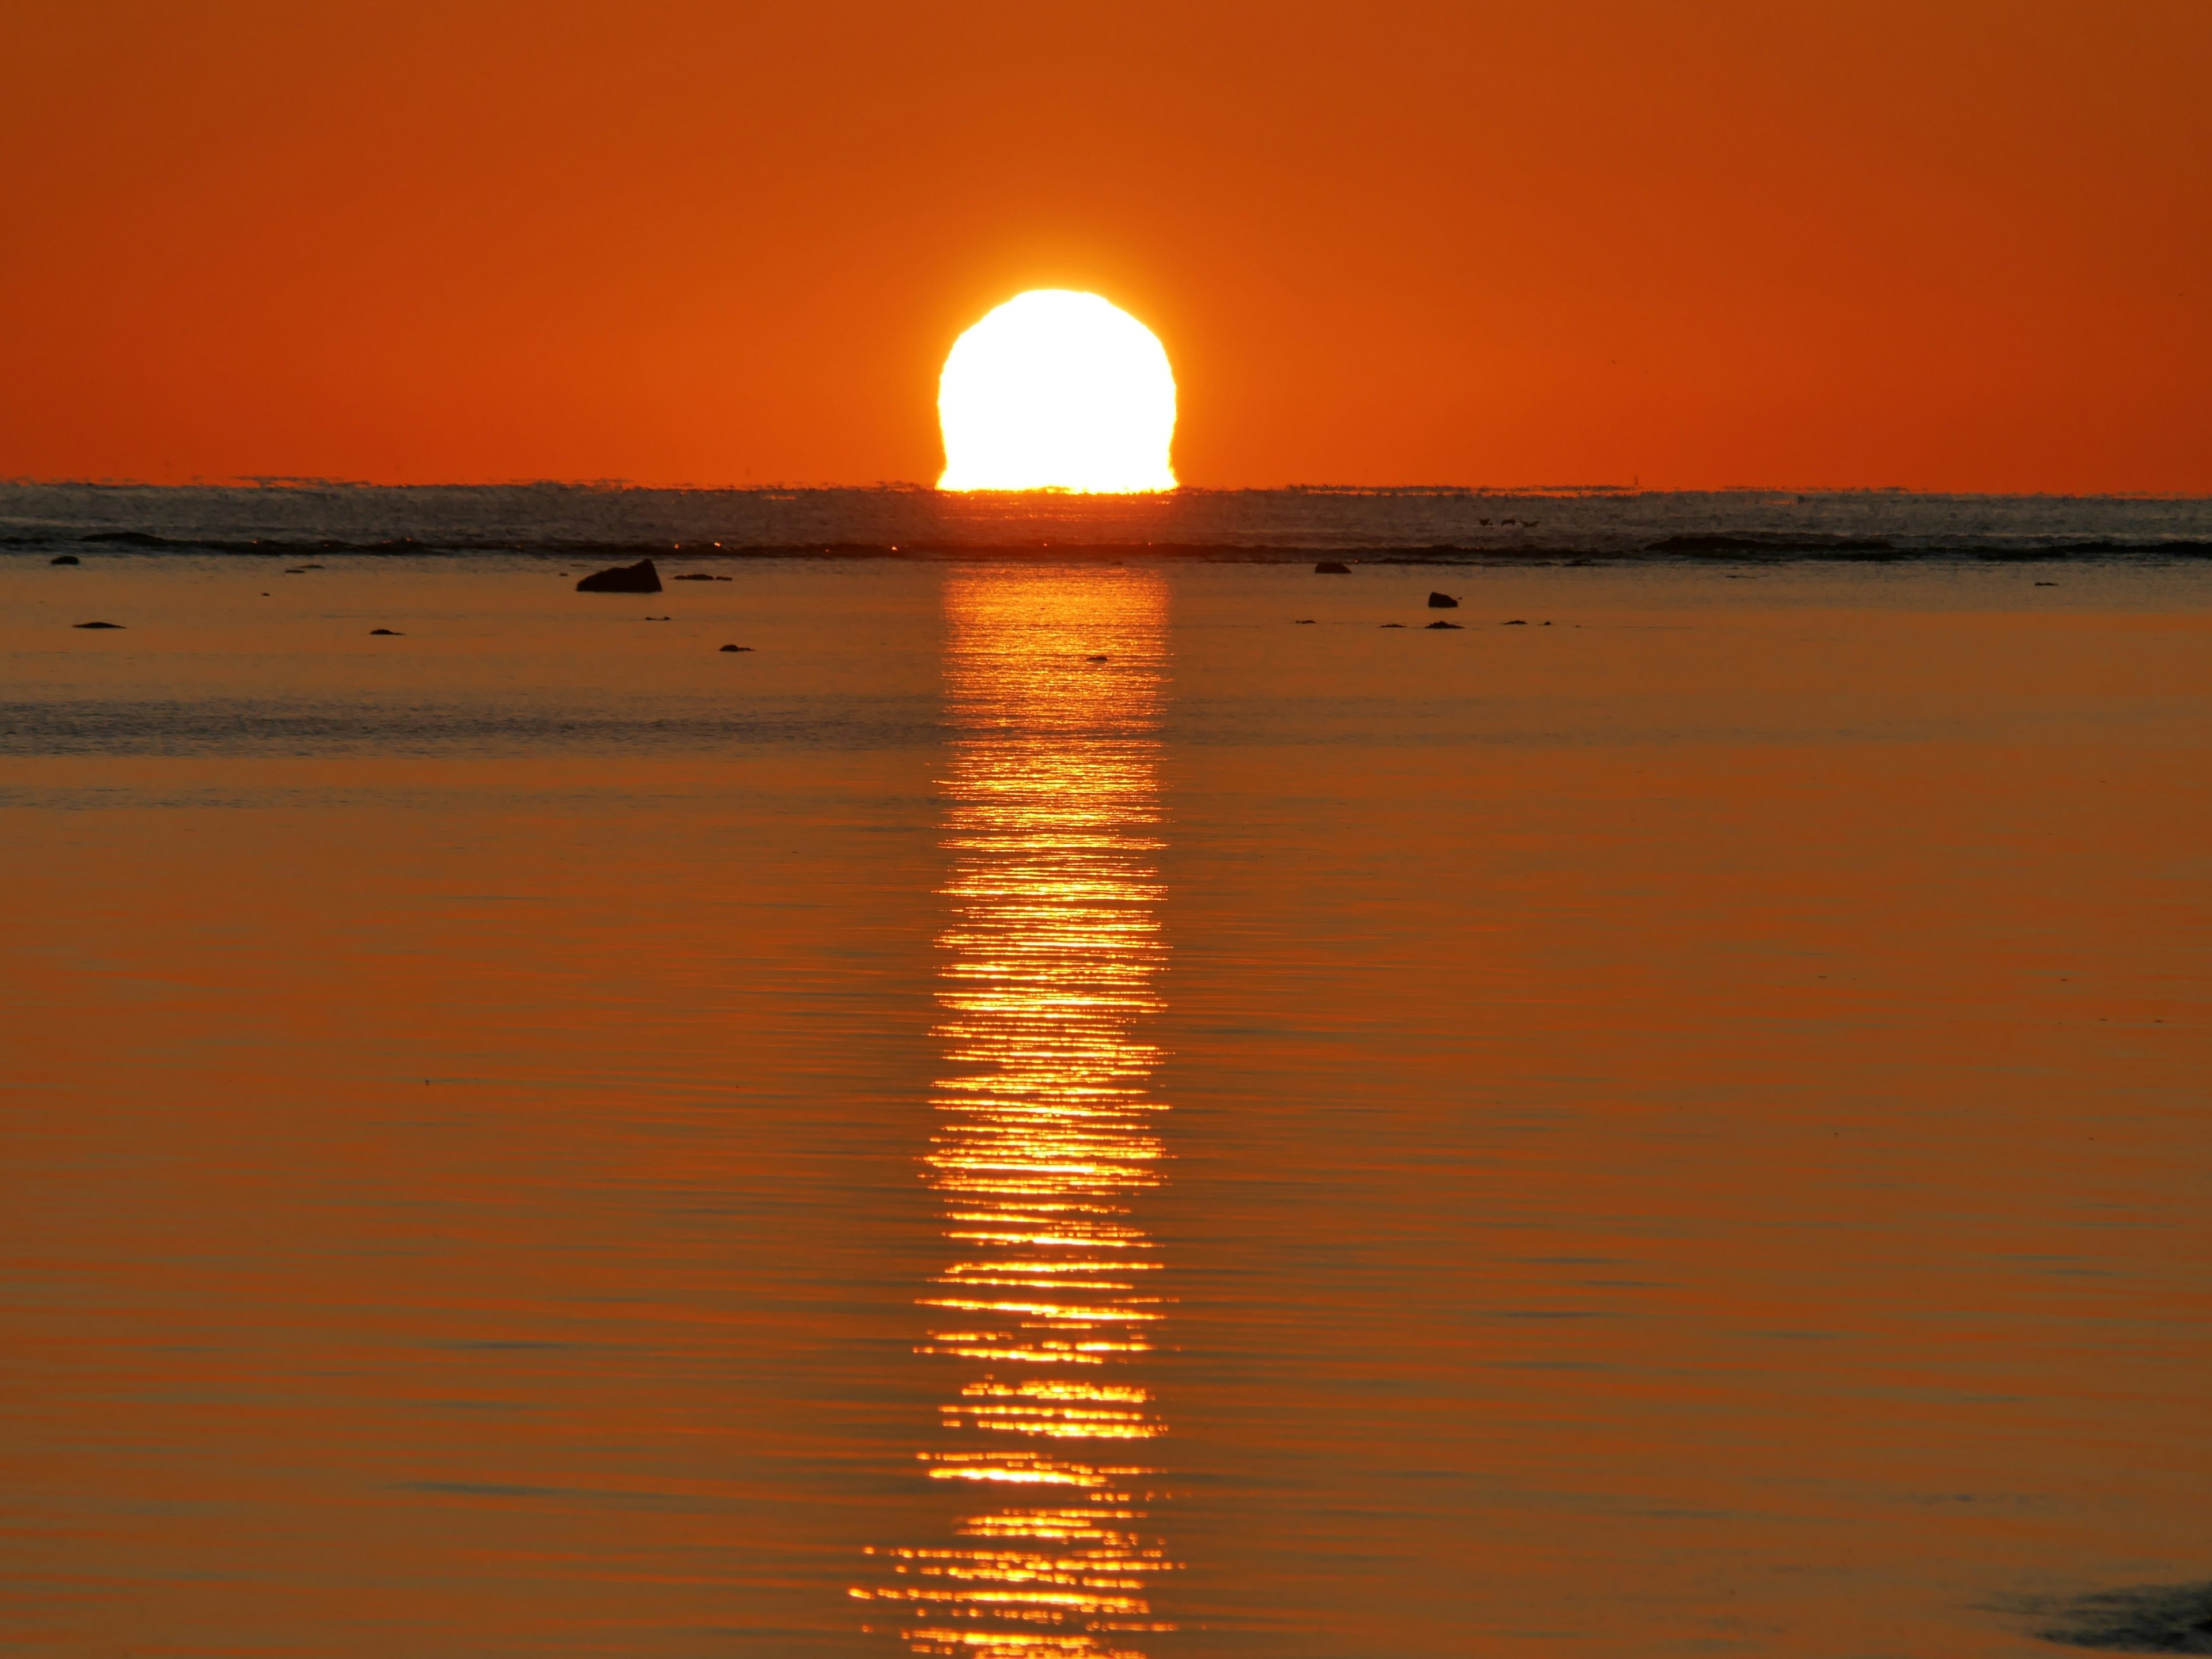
[[1692, 244]]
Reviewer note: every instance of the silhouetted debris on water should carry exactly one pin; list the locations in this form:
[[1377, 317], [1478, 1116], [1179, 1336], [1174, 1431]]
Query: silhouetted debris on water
[[1302, 622], [638, 578], [2147, 1618], [737, 647], [1442, 601], [1517, 622], [98, 624], [1097, 658], [1394, 624], [389, 633], [1445, 624], [1332, 568], [66, 558]]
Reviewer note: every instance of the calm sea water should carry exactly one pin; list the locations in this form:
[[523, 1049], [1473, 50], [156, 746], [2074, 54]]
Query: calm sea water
[[1050, 1107], [1865, 525]]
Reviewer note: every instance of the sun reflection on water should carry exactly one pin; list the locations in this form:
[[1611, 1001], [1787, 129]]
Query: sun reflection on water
[[1046, 1134]]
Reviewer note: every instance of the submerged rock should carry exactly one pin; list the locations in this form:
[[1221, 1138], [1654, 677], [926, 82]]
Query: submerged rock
[[1442, 601], [2146, 1619], [1100, 657], [97, 624], [1332, 568], [737, 647], [1446, 624], [1302, 622], [392, 632], [66, 558], [695, 576], [638, 578], [1517, 621], [1394, 624]]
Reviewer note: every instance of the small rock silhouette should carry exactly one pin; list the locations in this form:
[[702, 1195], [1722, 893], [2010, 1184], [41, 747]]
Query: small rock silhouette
[[1332, 568], [1517, 621], [99, 624], [66, 558], [1302, 622], [390, 633], [1445, 624], [1442, 601], [1394, 624], [640, 578], [1097, 658], [695, 576], [737, 647]]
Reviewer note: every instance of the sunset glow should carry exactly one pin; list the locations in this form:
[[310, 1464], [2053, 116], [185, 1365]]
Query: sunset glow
[[1055, 390]]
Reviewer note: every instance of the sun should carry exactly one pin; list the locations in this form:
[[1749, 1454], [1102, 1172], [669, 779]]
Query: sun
[[1056, 390]]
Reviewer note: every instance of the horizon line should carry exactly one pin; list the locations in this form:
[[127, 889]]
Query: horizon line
[[616, 486]]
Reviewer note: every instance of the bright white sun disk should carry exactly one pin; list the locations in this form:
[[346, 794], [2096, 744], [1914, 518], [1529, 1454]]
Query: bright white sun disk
[[1057, 391]]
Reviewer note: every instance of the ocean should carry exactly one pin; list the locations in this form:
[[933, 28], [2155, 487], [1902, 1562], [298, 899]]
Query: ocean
[[1089, 1091], [287, 516]]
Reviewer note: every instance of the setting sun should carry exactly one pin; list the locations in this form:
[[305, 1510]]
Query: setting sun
[[1055, 390]]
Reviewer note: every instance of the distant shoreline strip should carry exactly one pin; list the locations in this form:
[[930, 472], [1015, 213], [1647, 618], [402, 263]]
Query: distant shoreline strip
[[1732, 548]]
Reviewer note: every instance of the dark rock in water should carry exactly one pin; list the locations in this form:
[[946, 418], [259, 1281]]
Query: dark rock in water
[[2046, 584], [1442, 601], [1517, 621], [1097, 658], [1445, 624], [695, 576], [390, 633], [638, 578], [1302, 622], [660, 619], [66, 558], [97, 624], [737, 647], [1394, 624], [2148, 1618], [1332, 568]]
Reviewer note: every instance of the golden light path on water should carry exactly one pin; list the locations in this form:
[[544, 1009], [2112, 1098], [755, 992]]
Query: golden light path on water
[[1046, 1135]]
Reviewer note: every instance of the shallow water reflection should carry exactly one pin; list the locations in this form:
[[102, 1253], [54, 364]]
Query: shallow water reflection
[[1046, 1135]]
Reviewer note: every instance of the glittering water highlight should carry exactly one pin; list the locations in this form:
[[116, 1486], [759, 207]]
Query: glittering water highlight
[[1047, 1136]]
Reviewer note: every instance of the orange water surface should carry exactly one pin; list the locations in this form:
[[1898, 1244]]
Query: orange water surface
[[1055, 1111]]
